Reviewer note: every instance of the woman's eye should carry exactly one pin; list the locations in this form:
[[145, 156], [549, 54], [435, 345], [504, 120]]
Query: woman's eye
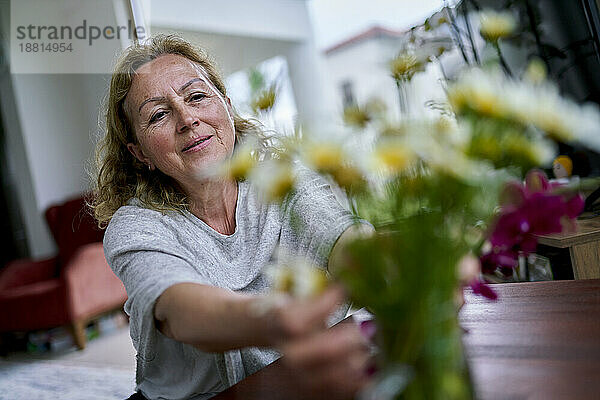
[[157, 116], [197, 96]]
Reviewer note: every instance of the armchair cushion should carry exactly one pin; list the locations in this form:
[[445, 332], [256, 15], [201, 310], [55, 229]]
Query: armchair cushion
[[25, 271], [72, 226], [91, 284], [34, 306]]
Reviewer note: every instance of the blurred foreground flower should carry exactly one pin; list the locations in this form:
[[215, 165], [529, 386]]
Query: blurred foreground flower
[[356, 116], [359, 116], [536, 71], [324, 156], [496, 25], [296, 277], [405, 66], [273, 179], [392, 155], [329, 157], [265, 100], [525, 109], [240, 164]]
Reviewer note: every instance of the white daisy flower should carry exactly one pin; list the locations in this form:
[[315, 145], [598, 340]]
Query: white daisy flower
[[496, 25], [296, 277], [273, 179]]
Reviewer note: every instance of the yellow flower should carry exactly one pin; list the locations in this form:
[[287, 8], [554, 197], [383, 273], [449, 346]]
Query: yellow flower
[[360, 116], [281, 184], [240, 165], [480, 92], [445, 125], [265, 100], [349, 177], [390, 130], [495, 26], [284, 281], [324, 157], [536, 71], [331, 159], [297, 277], [457, 98], [393, 155], [516, 145], [243, 160], [555, 125], [273, 179], [486, 103], [405, 66], [485, 146], [356, 116]]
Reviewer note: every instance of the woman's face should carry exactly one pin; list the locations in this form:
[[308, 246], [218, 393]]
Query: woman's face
[[182, 122]]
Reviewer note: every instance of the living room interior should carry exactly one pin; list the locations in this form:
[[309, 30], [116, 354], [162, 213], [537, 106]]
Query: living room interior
[[61, 306]]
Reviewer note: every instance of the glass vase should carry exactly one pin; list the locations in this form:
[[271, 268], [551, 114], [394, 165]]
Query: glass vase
[[437, 369]]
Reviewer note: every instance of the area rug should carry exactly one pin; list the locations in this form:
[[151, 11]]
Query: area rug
[[45, 380]]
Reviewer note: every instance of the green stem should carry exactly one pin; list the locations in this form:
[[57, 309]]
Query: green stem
[[502, 60]]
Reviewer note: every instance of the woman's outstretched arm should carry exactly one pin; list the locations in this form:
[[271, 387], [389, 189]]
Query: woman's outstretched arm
[[215, 319]]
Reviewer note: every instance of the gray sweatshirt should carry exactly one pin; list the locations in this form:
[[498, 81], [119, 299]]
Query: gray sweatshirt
[[150, 251]]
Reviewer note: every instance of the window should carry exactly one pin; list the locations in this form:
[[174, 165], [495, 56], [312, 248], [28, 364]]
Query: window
[[348, 98]]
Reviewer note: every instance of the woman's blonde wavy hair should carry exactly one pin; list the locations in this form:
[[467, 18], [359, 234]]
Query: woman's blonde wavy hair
[[118, 175]]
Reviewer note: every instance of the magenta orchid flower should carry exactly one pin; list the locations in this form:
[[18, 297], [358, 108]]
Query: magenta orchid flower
[[528, 210], [481, 288]]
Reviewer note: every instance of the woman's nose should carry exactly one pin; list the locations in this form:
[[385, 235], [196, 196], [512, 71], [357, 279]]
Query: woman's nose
[[186, 119]]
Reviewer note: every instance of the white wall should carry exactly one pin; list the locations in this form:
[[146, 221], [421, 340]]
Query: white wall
[[50, 121], [231, 52], [270, 19], [58, 115], [240, 34], [366, 65]]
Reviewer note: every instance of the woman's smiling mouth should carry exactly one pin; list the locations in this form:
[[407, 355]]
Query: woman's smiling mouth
[[197, 144]]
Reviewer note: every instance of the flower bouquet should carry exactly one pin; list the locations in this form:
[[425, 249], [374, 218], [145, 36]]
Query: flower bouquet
[[442, 193]]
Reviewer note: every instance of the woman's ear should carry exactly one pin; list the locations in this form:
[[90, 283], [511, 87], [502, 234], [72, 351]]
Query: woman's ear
[[138, 153], [229, 105]]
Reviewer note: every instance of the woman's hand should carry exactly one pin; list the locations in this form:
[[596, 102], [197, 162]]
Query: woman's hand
[[328, 361], [333, 362]]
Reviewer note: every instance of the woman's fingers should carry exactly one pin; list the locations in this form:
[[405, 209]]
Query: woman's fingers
[[319, 348], [298, 318], [343, 380], [335, 360]]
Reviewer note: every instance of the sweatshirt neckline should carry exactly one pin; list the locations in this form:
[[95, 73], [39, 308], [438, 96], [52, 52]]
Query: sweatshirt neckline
[[197, 221]]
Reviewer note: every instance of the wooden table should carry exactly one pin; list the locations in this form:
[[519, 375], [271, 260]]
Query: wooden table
[[583, 245], [540, 340]]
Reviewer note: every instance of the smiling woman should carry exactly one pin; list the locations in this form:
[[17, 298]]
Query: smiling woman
[[120, 176], [179, 100], [190, 245]]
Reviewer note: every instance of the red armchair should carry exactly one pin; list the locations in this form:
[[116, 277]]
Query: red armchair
[[71, 289]]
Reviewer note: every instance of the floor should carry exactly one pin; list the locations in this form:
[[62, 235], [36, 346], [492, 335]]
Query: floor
[[104, 370], [110, 349]]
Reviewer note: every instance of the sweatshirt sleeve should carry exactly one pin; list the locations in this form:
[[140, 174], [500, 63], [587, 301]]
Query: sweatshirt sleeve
[[313, 219], [144, 253]]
